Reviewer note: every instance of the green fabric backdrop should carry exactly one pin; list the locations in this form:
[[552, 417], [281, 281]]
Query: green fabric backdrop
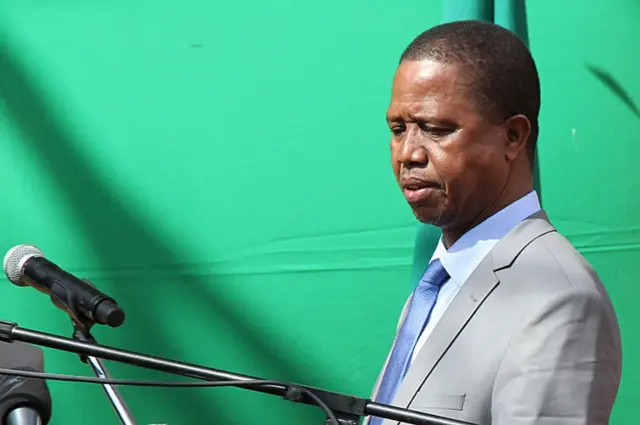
[[222, 169]]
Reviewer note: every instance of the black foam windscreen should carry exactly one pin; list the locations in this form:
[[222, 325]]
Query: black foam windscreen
[[17, 391]]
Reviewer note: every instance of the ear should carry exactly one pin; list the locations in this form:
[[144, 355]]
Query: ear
[[518, 130]]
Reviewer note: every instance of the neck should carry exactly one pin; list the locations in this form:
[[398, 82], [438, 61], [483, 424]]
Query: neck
[[507, 197]]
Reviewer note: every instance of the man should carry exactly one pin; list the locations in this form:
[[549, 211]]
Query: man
[[509, 325]]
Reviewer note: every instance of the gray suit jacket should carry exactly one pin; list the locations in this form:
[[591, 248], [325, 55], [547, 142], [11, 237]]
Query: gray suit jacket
[[531, 338]]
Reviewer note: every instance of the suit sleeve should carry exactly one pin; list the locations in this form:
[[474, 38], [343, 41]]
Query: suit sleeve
[[562, 366]]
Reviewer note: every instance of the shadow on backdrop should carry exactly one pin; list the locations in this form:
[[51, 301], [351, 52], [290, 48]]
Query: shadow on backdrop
[[106, 221], [615, 87]]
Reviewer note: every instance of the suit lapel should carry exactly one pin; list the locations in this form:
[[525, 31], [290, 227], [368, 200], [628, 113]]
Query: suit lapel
[[508, 249], [464, 305], [479, 286]]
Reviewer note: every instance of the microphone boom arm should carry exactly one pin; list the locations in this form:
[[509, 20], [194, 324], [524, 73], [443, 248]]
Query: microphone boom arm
[[348, 409]]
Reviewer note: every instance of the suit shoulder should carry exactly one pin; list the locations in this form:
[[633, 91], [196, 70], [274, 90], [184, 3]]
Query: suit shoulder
[[551, 265], [550, 278], [553, 254]]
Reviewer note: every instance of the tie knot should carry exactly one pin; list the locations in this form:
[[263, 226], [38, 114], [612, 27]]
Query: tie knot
[[435, 274]]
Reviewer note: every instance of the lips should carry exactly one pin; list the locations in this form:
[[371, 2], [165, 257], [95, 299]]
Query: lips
[[418, 190]]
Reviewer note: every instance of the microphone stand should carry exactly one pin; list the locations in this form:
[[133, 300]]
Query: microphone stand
[[349, 410], [82, 333]]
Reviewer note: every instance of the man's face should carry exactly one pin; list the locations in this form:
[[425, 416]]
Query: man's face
[[448, 158]]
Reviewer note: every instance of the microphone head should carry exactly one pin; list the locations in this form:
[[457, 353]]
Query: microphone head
[[18, 391], [15, 259]]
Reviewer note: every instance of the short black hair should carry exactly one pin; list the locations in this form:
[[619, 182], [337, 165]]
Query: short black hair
[[504, 76]]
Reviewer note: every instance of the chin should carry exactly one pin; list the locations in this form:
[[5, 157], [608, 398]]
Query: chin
[[433, 217]]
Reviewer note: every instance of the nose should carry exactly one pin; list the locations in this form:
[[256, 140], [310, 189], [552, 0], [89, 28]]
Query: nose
[[411, 151]]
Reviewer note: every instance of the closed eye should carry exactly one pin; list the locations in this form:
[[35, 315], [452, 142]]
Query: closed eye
[[436, 131], [397, 128]]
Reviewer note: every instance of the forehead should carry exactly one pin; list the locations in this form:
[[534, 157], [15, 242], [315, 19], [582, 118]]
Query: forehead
[[429, 87]]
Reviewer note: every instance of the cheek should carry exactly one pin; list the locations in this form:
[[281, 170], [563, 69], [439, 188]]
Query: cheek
[[474, 174], [457, 170], [444, 165]]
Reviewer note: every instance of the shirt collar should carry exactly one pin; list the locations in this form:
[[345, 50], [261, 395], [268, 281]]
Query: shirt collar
[[464, 256]]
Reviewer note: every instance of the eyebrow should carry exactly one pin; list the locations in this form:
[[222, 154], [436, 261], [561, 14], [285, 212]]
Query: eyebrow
[[390, 117]]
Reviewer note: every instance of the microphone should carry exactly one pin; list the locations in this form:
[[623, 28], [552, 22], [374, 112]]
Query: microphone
[[23, 401], [25, 265]]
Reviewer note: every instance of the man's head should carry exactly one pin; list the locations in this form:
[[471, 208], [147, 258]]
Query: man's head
[[464, 118]]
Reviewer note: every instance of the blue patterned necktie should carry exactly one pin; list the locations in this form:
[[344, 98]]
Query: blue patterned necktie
[[422, 302]]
